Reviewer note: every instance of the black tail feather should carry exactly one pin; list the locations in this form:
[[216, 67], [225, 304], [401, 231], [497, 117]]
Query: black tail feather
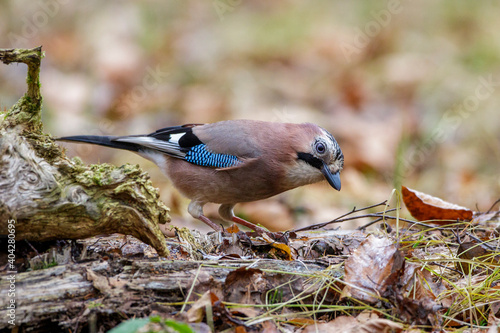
[[107, 141]]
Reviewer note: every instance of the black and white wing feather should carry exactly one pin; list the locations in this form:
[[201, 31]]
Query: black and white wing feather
[[178, 141]]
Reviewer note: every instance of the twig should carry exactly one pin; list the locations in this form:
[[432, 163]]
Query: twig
[[340, 218], [354, 210], [321, 225], [396, 218], [482, 242], [370, 223], [446, 267], [422, 224], [479, 241], [489, 210], [379, 217], [32, 247]]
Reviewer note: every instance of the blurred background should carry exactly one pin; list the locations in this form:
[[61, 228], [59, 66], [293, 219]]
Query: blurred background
[[411, 90]]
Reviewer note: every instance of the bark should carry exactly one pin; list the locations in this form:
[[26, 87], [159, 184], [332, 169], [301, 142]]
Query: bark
[[69, 296], [52, 197]]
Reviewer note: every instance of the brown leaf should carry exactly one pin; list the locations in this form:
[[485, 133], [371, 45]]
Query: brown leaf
[[415, 296], [469, 251], [363, 323], [240, 329], [483, 218], [285, 249], [245, 286], [425, 207], [372, 268], [371, 322], [301, 321], [197, 312], [269, 326], [418, 284], [245, 312], [346, 324], [99, 282], [233, 229]]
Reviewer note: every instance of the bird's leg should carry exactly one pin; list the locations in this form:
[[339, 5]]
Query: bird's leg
[[250, 225], [277, 236], [195, 208], [208, 222], [226, 212]]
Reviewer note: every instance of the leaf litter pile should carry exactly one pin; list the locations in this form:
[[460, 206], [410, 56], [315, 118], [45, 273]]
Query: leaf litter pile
[[437, 273]]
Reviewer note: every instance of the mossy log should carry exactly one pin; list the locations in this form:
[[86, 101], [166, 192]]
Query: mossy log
[[66, 297], [52, 197]]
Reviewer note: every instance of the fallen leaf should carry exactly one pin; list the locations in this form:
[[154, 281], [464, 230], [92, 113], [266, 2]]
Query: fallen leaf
[[347, 324], [469, 251], [280, 246], [269, 326], [197, 312], [233, 229], [301, 321], [99, 282], [425, 207], [245, 286], [418, 284], [493, 323], [372, 268], [483, 218], [344, 324], [371, 322], [240, 329], [245, 312]]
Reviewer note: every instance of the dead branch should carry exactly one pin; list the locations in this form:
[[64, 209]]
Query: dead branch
[[65, 294], [52, 197]]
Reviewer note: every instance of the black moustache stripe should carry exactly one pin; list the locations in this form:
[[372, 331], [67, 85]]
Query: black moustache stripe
[[310, 159]]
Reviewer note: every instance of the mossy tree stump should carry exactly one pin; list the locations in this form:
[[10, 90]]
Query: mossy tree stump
[[52, 197]]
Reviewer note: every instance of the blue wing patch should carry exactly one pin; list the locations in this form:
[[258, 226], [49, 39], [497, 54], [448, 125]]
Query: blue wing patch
[[200, 155]]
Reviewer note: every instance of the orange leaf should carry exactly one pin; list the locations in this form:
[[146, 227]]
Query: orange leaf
[[301, 321], [233, 229], [240, 329], [280, 246], [426, 207]]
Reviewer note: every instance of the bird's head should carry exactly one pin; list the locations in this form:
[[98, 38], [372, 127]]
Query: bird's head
[[318, 157]]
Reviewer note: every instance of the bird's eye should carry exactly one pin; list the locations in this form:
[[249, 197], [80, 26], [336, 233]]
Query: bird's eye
[[320, 147]]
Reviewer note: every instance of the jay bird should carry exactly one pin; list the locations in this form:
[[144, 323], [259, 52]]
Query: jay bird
[[235, 161]]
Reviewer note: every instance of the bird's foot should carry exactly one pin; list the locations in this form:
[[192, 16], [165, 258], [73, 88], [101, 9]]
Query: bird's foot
[[276, 236], [279, 237]]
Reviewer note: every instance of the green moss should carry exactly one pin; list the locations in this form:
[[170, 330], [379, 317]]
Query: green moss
[[94, 305], [27, 110], [89, 200], [97, 174], [38, 265], [77, 160]]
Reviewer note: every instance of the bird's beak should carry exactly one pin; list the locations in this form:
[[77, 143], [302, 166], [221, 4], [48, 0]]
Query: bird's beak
[[332, 179]]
